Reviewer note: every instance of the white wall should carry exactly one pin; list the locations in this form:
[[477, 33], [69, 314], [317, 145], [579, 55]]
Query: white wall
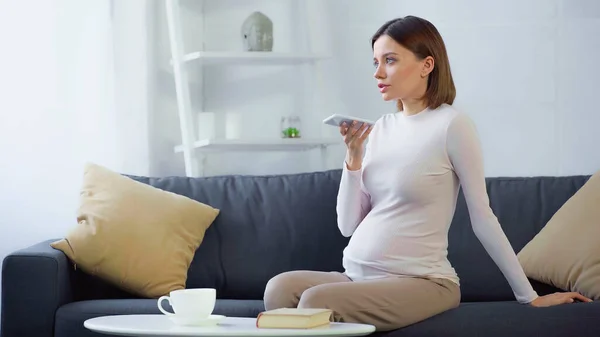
[[524, 71], [58, 109]]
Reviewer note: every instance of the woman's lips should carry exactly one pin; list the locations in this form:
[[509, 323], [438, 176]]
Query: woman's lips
[[382, 87]]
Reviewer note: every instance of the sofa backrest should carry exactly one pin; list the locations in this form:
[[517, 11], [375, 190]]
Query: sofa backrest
[[271, 224], [266, 225]]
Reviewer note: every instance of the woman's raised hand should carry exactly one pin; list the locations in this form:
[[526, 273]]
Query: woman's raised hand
[[354, 137]]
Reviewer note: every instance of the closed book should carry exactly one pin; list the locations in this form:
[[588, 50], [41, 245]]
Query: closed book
[[294, 318]]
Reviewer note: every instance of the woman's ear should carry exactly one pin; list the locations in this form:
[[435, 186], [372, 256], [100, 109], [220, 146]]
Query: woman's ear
[[428, 65]]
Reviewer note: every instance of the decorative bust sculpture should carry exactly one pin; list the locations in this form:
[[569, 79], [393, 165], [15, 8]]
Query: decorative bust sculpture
[[257, 33]]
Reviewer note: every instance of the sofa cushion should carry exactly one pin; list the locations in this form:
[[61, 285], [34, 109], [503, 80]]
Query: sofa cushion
[[70, 317], [137, 237], [566, 252], [501, 319]]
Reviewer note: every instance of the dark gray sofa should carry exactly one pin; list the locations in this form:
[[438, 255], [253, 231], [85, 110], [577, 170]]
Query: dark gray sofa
[[272, 224]]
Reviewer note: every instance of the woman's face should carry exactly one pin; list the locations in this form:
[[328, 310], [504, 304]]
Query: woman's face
[[399, 74]]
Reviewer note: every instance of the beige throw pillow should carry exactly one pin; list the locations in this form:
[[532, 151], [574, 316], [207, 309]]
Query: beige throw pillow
[[566, 252], [135, 236]]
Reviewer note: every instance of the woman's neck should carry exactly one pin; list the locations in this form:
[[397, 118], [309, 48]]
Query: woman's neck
[[413, 107]]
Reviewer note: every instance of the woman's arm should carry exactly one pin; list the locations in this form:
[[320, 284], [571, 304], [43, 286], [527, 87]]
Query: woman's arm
[[353, 202], [465, 155]]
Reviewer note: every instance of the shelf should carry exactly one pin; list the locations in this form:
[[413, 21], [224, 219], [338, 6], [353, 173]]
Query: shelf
[[289, 144], [264, 58]]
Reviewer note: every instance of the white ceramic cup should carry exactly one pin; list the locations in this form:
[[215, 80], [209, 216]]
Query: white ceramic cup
[[198, 302]]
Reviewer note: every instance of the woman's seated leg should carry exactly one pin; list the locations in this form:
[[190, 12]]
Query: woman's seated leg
[[388, 304], [285, 289]]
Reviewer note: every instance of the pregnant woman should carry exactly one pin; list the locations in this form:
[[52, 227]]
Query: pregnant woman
[[398, 194]]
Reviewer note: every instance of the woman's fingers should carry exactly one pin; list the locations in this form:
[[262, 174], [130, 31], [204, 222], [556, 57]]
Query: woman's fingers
[[353, 129], [578, 296], [343, 129], [366, 132], [355, 134]]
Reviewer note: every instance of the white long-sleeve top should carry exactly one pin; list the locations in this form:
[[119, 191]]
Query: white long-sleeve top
[[398, 207]]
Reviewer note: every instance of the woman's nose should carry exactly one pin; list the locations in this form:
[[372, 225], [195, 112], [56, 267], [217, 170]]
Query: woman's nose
[[379, 73]]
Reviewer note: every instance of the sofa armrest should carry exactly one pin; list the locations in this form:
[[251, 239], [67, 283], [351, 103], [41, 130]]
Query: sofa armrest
[[36, 281]]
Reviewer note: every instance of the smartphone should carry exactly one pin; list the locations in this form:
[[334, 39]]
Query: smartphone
[[337, 120]]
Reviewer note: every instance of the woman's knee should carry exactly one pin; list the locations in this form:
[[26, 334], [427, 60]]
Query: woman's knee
[[280, 283], [282, 291], [326, 296], [316, 297]]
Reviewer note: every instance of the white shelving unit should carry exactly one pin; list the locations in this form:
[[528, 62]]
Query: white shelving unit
[[257, 58], [195, 148], [299, 144]]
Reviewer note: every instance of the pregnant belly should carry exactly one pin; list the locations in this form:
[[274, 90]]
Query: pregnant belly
[[386, 241]]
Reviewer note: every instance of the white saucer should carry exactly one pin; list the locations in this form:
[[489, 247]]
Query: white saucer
[[196, 321]]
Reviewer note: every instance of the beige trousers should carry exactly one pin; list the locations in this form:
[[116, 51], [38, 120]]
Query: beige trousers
[[388, 303]]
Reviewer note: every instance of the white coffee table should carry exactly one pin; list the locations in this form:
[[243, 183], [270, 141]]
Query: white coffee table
[[160, 325]]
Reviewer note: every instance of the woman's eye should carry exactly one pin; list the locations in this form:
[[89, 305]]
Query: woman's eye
[[388, 60]]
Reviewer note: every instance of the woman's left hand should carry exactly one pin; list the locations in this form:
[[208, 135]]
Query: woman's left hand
[[558, 298]]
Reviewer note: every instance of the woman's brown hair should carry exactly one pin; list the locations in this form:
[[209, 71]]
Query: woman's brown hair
[[423, 39]]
